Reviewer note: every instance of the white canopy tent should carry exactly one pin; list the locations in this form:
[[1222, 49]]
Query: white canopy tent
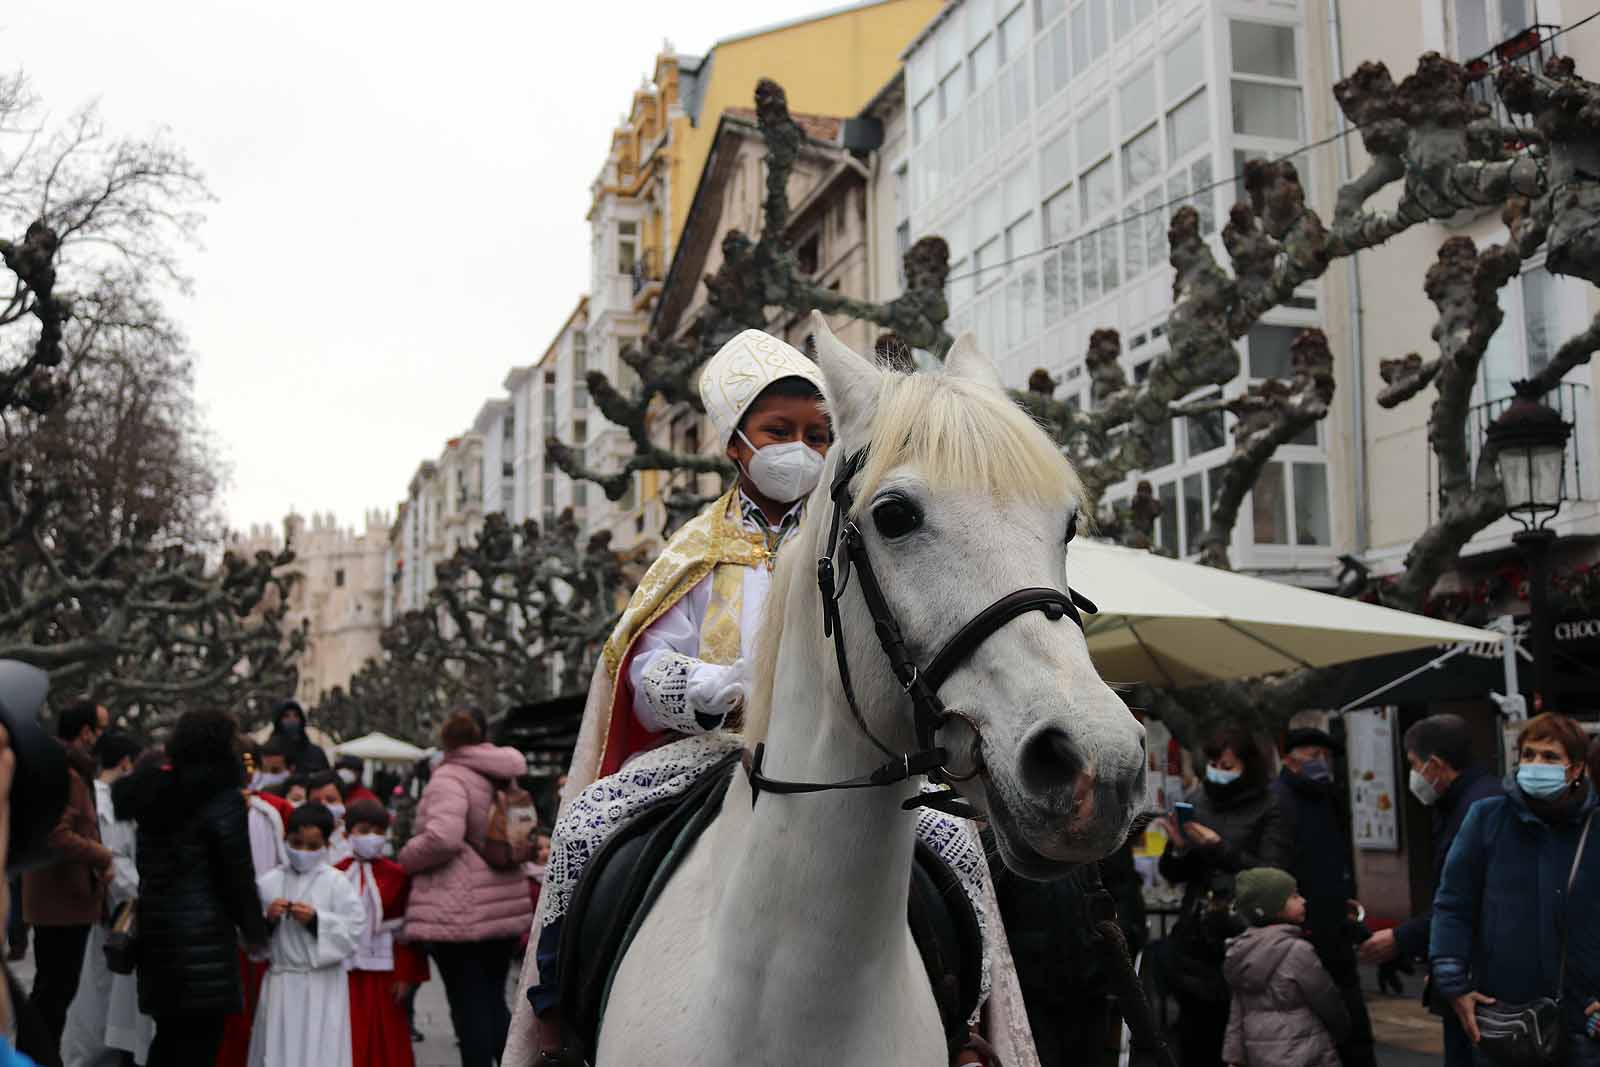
[[381, 748], [1171, 623]]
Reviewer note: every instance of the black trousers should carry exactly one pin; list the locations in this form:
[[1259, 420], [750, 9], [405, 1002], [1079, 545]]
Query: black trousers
[[1338, 955], [58, 959], [474, 976], [1072, 1032], [186, 1040]]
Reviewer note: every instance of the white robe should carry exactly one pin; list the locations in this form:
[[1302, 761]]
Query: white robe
[[267, 850], [303, 1019], [104, 1020]]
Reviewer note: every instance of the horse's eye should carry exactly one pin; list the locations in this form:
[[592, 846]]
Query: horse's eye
[[1072, 526], [896, 517]]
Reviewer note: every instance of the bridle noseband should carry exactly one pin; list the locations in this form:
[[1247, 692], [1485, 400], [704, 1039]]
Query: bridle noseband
[[846, 550]]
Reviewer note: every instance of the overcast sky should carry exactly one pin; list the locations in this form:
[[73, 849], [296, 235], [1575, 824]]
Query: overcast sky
[[401, 192]]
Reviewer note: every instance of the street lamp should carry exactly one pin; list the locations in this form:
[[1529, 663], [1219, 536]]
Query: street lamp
[[1531, 456]]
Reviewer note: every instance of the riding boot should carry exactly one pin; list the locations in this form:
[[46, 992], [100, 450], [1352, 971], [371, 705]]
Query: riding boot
[[556, 1048]]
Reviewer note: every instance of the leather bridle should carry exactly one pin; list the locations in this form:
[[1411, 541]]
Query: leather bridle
[[845, 551]]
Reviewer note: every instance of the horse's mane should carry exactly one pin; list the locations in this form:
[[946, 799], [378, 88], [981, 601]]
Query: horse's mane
[[958, 434]]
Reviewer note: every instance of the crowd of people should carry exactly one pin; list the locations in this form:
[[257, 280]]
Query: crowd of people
[[278, 922], [1263, 959]]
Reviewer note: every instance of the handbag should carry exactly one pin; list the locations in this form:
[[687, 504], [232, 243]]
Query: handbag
[[122, 941], [1532, 1034]]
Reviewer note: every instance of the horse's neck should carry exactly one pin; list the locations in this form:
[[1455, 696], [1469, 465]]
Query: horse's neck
[[835, 865]]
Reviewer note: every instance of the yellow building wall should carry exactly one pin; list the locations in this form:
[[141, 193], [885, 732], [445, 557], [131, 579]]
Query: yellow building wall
[[828, 66]]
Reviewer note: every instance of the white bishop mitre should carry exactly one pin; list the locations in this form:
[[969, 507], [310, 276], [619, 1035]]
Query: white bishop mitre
[[741, 369]]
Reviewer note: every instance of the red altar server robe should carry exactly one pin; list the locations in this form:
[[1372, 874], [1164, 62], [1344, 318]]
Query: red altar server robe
[[379, 1034]]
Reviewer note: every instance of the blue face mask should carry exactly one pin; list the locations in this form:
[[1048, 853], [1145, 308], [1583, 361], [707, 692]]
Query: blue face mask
[[1544, 781], [1316, 770], [1217, 776]]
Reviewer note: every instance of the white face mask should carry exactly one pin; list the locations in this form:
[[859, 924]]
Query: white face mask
[[270, 778], [367, 846], [305, 862], [1423, 789], [337, 810], [347, 776], [786, 472]]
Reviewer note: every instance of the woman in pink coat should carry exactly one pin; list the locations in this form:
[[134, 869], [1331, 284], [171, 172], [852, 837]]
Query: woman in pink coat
[[469, 914]]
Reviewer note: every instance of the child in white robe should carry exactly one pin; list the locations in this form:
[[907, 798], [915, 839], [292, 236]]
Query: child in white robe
[[317, 921]]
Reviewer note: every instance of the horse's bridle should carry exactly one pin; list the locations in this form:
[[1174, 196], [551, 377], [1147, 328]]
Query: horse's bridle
[[846, 550]]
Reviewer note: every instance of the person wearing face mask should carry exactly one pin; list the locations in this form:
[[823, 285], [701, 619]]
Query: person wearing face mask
[[327, 789], [1320, 862], [300, 742], [1444, 780], [385, 969], [350, 769], [1503, 907], [318, 920], [1235, 825], [671, 676]]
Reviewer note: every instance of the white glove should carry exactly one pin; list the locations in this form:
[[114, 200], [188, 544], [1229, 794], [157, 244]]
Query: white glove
[[714, 694]]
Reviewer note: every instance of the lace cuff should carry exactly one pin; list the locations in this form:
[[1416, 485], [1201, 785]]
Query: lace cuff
[[665, 688]]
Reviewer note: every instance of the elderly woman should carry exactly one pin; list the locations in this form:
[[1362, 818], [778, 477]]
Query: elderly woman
[[1502, 906]]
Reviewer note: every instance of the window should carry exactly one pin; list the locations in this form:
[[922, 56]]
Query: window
[[1186, 65], [809, 253], [1202, 433], [1047, 11], [1266, 100], [1262, 49], [1058, 216], [1269, 351], [1266, 110], [1161, 444], [902, 245], [1055, 162], [1481, 24], [1094, 135], [923, 118], [1053, 58], [580, 371], [985, 263], [1141, 159], [338, 578], [1194, 512], [1268, 509], [1188, 126], [983, 62], [1533, 329], [1138, 99], [1311, 504], [1099, 190], [1013, 36], [1022, 237], [951, 93], [627, 246], [1167, 525]]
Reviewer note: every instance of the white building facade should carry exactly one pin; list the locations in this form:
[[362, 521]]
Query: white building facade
[[1049, 143]]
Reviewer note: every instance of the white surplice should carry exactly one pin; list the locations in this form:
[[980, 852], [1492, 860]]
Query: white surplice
[[104, 1020], [267, 850], [304, 1015]]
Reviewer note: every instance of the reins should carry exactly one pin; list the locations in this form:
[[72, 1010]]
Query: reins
[[846, 550]]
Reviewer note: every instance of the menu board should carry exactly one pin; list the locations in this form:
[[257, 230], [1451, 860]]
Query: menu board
[[1374, 800]]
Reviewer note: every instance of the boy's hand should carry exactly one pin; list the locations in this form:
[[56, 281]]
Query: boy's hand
[[302, 913], [276, 909]]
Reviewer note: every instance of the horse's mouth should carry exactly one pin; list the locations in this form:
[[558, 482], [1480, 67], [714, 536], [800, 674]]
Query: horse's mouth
[[1019, 856]]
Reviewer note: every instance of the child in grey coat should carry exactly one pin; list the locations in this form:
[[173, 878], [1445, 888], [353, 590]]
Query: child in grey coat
[[1286, 1011]]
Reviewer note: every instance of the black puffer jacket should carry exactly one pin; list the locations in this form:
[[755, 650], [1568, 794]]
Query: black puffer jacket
[[197, 887]]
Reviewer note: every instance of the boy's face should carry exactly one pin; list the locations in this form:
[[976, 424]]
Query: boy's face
[[362, 828], [307, 839], [1295, 910], [296, 795], [274, 764], [325, 795], [778, 420]]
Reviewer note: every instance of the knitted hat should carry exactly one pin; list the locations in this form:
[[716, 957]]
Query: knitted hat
[[741, 369], [1261, 893]]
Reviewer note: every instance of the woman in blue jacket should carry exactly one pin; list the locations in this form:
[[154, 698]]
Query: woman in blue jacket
[[1498, 914]]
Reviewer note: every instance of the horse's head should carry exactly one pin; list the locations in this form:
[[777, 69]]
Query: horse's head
[[962, 500]]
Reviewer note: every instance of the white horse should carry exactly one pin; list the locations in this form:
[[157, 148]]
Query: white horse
[[782, 939]]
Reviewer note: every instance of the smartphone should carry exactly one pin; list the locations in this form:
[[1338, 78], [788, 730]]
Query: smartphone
[[1183, 812]]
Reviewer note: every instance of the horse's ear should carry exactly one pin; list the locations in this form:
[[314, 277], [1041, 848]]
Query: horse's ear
[[852, 382], [965, 361]]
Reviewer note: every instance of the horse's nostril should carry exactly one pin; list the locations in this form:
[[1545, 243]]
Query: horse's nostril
[[1050, 761]]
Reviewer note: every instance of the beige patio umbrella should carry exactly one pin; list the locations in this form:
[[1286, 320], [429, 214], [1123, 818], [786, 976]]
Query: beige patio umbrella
[[381, 748], [1171, 623]]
